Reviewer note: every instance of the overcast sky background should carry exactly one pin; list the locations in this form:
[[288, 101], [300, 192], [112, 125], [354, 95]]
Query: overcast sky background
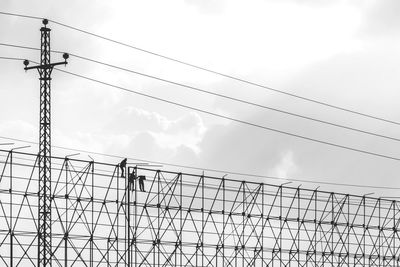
[[342, 52]]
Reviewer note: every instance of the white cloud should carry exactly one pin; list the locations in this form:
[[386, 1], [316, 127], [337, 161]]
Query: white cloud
[[142, 133], [310, 48], [187, 130], [160, 120], [285, 167]]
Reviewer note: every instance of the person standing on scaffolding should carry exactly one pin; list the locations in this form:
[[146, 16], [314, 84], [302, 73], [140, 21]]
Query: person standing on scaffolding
[[131, 179], [141, 182], [122, 166]]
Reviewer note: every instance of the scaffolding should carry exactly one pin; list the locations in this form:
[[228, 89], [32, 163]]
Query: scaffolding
[[184, 219]]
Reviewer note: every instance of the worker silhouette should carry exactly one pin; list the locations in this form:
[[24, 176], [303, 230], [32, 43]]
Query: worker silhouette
[[131, 180], [141, 182], [122, 166]]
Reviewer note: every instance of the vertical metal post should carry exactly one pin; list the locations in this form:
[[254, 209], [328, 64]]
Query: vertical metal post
[[135, 203], [280, 225], [66, 215], [348, 231], [223, 221], [11, 230], [128, 206], [44, 193], [92, 218], [242, 248], [315, 226], [202, 221], [117, 254], [157, 248], [380, 259], [262, 223], [364, 232], [181, 220], [394, 233], [332, 230], [298, 226]]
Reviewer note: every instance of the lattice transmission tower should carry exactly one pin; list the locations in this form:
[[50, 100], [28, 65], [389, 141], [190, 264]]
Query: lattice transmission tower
[[44, 208]]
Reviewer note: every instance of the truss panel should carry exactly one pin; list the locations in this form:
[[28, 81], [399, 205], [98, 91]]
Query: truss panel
[[187, 220]]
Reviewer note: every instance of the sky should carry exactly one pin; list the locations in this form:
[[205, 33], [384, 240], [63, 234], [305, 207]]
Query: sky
[[341, 52]]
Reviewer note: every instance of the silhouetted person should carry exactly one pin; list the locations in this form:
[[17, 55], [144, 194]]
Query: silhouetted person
[[141, 182], [122, 165], [131, 181]]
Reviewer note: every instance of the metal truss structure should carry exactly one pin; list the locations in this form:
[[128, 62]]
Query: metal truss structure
[[44, 159], [99, 219]]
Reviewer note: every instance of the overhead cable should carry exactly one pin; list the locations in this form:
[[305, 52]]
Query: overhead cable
[[319, 102], [217, 94]]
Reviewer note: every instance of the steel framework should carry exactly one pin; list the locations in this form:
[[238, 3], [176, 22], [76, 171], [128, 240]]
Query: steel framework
[[44, 206], [187, 220]]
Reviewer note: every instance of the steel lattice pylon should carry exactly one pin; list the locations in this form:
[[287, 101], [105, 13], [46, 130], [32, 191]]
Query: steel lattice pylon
[[187, 220], [45, 152], [44, 159]]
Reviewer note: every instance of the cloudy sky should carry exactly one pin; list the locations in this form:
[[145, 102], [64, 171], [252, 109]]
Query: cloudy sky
[[345, 53]]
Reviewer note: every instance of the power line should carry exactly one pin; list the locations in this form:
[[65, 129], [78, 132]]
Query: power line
[[209, 169], [238, 100], [20, 15], [230, 118], [210, 71], [11, 58], [216, 94], [228, 76], [24, 47], [225, 117]]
